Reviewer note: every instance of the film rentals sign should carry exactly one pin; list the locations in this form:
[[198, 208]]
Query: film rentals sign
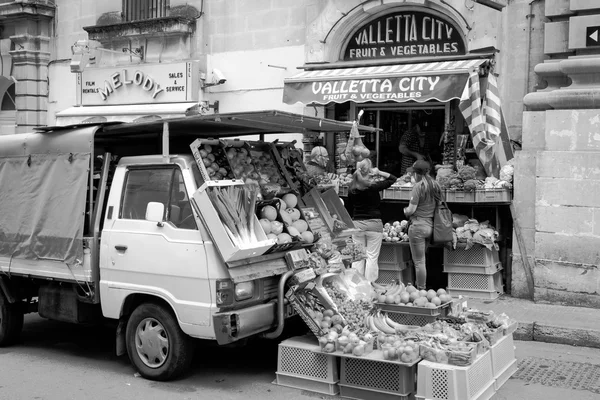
[[139, 84], [403, 35]]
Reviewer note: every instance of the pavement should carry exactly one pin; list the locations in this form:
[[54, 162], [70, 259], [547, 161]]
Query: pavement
[[550, 323]]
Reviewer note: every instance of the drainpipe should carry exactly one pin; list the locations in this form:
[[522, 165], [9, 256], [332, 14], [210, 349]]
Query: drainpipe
[[280, 307], [529, 17]]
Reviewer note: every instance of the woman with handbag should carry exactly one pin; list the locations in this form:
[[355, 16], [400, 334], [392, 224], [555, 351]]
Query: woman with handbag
[[425, 195], [364, 200]]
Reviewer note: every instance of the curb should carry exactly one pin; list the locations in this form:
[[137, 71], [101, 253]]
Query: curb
[[535, 331]]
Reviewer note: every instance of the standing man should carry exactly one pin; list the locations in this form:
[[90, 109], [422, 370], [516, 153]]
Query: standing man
[[317, 165], [318, 169], [414, 146]]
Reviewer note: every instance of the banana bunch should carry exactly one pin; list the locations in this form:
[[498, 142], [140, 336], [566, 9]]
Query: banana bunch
[[388, 289], [379, 321]]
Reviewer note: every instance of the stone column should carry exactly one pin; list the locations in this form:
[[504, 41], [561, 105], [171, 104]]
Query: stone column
[[561, 151], [31, 23]]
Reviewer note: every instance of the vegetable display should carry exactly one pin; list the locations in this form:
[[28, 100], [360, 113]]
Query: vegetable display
[[235, 206]]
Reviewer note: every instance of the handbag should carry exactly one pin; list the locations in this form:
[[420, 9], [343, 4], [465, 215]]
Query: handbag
[[442, 223]]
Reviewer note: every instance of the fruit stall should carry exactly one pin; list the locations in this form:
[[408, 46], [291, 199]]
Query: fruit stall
[[367, 340], [392, 341]]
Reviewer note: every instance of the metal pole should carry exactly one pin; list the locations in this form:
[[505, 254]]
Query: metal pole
[[165, 142]]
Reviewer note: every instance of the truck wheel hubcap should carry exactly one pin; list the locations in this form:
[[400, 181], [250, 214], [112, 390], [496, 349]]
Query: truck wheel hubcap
[[152, 342]]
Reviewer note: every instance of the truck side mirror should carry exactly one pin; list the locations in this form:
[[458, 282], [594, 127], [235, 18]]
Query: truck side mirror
[[155, 212]]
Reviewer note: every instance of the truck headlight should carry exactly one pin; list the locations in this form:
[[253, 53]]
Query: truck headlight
[[244, 290]]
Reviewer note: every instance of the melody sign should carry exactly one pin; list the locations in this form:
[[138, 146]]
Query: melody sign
[[139, 84], [405, 34], [418, 88]]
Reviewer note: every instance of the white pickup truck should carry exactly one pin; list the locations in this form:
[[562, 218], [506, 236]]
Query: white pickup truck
[[80, 243]]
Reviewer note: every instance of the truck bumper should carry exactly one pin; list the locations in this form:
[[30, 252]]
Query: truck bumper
[[231, 326]]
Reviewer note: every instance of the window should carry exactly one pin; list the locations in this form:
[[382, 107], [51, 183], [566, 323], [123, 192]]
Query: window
[[136, 10], [8, 100], [162, 185]]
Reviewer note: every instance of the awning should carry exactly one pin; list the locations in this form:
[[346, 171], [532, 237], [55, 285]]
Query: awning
[[123, 113], [442, 81]]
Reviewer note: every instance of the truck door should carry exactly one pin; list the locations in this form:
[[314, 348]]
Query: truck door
[[167, 260]]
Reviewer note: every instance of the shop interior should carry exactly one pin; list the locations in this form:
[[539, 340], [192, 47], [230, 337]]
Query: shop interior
[[394, 120]]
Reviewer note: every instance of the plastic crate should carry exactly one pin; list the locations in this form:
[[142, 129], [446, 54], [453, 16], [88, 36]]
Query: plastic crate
[[447, 382], [473, 269], [475, 285], [387, 194], [392, 255], [404, 273], [383, 377], [505, 375], [493, 196], [503, 355], [460, 196], [343, 191], [411, 319], [476, 256], [351, 392], [301, 365]]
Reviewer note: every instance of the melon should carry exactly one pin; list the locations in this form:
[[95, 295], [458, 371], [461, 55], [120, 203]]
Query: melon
[[268, 212], [266, 225], [291, 200], [276, 227], [284, 238], [307, 237], [301, 225], [294, 213], [272, 236]]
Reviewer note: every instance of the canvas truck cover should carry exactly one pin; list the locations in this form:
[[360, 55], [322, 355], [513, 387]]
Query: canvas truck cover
[[43, 182]]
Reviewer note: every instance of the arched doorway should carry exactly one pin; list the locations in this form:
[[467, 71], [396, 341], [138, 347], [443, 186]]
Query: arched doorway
[[8, 107]]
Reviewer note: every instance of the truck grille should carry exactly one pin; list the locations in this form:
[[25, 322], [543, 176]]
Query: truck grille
[[270, 287]]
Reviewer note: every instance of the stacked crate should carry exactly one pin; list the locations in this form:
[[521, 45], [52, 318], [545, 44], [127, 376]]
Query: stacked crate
[[301, 365], [476, 272], [395, 264]]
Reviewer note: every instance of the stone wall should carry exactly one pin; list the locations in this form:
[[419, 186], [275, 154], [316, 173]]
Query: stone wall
[[557, 193]]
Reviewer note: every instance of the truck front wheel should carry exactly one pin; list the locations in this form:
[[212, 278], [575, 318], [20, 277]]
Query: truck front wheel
[[11, 321], [156, 345]]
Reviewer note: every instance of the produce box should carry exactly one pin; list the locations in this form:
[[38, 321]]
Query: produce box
[[289, 227], [212, 160], [301, 366], [476, 256], [460, 196], [472, 382], [397, 193], [341, 222], [461, 355], [377, 379], [291, 160], [503, 195], [299, 302], [302, 276], [401, 308], [222, 239], [270, 166]]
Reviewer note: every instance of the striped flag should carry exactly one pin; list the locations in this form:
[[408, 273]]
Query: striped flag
[[471, 108], [495, 123]]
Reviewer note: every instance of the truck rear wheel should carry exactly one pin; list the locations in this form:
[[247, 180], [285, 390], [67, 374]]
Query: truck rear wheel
[[11, 322], [156, 345]]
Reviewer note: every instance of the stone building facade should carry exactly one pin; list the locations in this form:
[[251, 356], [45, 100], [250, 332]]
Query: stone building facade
[[560, 161], [537, 46]]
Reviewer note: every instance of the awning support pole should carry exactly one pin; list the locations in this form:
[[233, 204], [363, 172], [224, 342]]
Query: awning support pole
[[165, 142]]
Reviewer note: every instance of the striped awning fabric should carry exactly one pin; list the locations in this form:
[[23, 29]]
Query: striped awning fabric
[[421, 82]]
